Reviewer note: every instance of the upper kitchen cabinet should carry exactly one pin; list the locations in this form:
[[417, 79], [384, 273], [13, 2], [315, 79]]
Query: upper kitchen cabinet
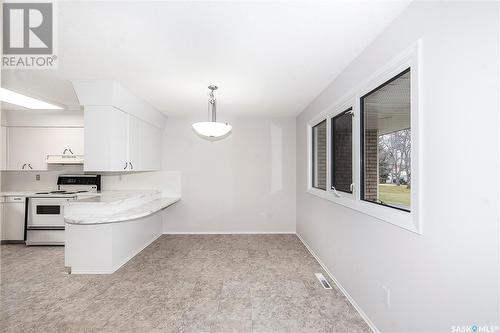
[[66, 140], [28, 147], [134, 143], [106, 139], [122, 132]]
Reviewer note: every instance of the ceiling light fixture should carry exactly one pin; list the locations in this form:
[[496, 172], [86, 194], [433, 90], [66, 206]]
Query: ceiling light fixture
[[212, 128], [27, 102]]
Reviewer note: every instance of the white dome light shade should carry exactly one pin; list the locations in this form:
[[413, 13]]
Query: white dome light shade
[[212, 129]]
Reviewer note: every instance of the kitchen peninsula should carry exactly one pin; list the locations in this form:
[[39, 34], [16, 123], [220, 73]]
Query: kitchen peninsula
[[105, 231]]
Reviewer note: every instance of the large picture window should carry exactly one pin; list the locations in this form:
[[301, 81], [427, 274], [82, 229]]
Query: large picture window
[[319, 155], [342, 152], [386, 144]]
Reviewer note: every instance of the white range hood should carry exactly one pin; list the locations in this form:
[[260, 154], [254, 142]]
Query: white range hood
[[65, 159]]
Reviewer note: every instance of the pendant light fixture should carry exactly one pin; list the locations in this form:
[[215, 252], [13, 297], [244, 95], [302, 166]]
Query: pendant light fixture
[[212, 128]]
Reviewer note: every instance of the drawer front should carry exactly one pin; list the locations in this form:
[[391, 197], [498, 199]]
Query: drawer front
[[15, 199]]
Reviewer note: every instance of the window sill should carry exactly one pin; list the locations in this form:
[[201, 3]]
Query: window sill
[[402, 219]]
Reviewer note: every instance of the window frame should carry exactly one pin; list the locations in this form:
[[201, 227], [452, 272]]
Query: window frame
[[411, 221], [362, 139], [342, 198], [350, 111], [312, 154]]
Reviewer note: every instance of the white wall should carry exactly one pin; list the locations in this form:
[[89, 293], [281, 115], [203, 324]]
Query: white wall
[[450, 274], [244, 183]]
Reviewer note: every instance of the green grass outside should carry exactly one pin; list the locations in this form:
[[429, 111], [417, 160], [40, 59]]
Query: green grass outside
[[394, 195]]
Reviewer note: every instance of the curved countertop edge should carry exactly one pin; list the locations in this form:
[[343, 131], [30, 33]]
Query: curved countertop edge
[[134, 213]]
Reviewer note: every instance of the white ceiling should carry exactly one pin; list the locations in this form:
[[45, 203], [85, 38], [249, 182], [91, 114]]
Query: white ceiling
[[268, 58]]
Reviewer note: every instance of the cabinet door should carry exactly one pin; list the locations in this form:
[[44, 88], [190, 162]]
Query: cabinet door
[[64, 139], [134, 143], [13, 224], [151, 147], [27, 146], [2, 219], [105, 138], [3, 148]]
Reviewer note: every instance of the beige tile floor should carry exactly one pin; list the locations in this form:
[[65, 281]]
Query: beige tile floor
[[195, 283]]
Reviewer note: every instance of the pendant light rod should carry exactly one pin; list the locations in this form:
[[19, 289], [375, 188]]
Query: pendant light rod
[[212, 104]]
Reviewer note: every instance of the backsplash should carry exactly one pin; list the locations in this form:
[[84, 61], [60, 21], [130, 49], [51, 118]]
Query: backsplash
[[166, 181]]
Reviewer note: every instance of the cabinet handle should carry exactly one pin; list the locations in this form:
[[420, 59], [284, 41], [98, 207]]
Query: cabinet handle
[[125, 168], [30, 166], [65, 150], [70, 151], [131, 166], [24, 165]]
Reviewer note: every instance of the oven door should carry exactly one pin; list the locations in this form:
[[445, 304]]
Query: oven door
[[46, 213]]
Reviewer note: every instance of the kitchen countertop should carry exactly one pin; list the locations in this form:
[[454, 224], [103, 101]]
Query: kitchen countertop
[[20, 193], [17, 193], [113, 197], [116, 206], [133, 213]]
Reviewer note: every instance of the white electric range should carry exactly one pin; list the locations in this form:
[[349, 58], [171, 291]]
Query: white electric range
[[44, 210]]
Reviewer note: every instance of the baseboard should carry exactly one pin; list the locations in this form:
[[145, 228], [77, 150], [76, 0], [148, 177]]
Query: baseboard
[[342, 289], [231, 233]]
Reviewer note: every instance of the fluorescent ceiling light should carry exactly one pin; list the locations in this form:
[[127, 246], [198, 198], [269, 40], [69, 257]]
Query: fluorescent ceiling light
[[25, 101]]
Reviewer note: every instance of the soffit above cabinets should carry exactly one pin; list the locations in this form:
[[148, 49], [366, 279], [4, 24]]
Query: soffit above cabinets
[[112, 93]]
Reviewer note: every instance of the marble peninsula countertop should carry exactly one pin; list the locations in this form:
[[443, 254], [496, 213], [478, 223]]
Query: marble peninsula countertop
[[116, 206], [114, 197]]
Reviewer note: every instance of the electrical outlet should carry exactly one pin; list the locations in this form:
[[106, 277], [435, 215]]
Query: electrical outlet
[[37, 177], [387, 296]]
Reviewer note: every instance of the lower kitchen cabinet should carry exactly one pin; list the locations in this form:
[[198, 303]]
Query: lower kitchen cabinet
[[13, 212], [3, 148]]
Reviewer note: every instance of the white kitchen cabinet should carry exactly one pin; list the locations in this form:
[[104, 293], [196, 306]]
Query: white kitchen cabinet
[[134, 144], [66, 140], [27, 148], [106, 139], [117, 141], [151, 138], [3, 148], [13, 218]]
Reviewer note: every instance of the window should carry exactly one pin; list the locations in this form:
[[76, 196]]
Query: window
[[386, 144], [319, 155], [342, 152]]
